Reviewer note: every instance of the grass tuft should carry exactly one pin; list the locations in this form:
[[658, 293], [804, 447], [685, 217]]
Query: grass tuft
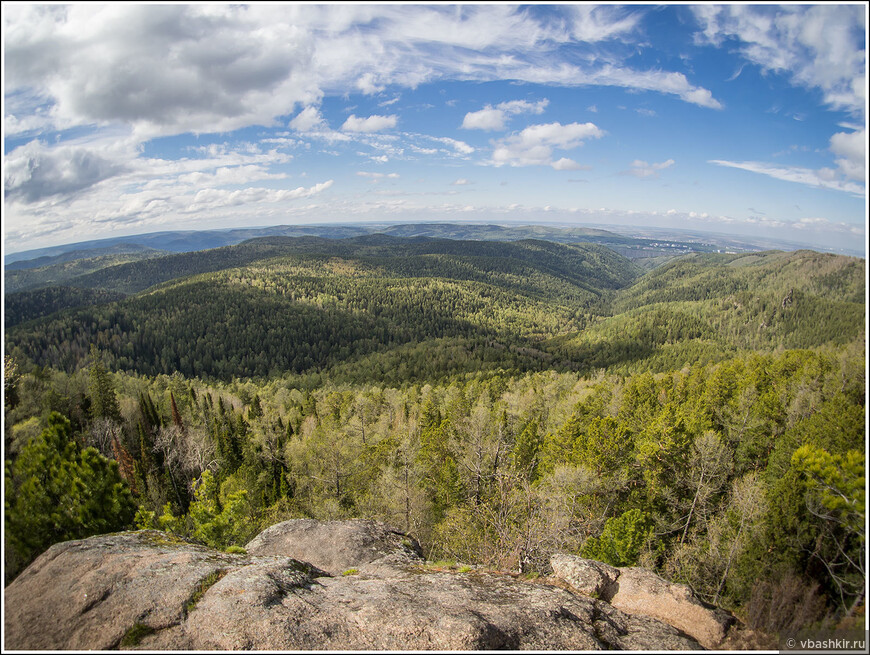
[[202, 587], [135, 635]]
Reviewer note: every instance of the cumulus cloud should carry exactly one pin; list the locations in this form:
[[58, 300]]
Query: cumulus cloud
[[494, 118], [34, 171], [643, 169], [170, 69], [535, 144], [851, 148], [824, 178], [309, 120], [487, 118], [374, 123], [144, 193]]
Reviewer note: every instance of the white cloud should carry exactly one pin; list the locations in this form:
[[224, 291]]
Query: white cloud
[[852, 150], [566, 74], [494, 118], [643, 169], [207, 68], [523, 106], [373, 123], [34, 171], [366, 84], [487, 118], [461, 182], [309, 120], [228, 175], [459, 146], [565, 164], [820, 46], [824, 178], [211, 199], [144, 193], [535, 144], [377, 177], [600, 22]]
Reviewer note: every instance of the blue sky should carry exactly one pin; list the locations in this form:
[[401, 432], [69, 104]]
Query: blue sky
[[124, 119]]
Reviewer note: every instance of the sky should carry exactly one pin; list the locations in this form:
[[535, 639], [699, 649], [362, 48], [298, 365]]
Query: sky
[[124, 119]]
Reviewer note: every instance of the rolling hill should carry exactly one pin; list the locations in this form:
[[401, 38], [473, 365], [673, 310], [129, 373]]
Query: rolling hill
[[284, 305]]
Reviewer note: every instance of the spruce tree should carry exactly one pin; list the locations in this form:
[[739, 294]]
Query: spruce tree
[[104, 402]]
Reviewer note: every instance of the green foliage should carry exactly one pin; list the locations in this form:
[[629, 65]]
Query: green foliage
[[135, 635], [525, 451], [212, 522], [838, 481], [621, 540], [56, 491], [836, 496]]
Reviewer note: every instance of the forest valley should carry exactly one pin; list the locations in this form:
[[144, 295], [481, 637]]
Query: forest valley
[[498, 401]]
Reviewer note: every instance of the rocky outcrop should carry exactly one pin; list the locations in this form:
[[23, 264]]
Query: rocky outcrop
[[149, 590], [588, 576], [336, 546], [638, 591]]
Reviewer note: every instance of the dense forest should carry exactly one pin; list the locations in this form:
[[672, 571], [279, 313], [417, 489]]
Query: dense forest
[[499, 401]]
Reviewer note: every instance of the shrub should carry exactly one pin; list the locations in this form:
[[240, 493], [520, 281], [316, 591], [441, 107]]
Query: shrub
[[621, 540]]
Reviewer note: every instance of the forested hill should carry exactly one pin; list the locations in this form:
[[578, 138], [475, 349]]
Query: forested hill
[[596, 266], [700, 308], [292, 305], [58, 271], [412, 309]]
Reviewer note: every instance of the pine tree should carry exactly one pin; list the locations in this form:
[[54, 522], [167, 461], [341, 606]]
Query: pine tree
[[56, 491], [104, 402]]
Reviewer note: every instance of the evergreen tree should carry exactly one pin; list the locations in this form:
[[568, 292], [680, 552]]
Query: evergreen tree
[[621, 540], [104, 402], [56, 491]]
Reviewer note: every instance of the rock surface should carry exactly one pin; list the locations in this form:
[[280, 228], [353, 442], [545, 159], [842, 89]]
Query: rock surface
[[638, 591], [152, 591], [587, 576], [336, 546]]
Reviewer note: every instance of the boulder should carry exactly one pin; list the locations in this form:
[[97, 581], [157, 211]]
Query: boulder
[[148, 590], [336, 546], [588, 576], [87, 594], [638, 591]]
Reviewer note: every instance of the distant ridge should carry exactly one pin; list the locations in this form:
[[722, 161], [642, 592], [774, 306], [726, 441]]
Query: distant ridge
[[88, 253], [193, 240]]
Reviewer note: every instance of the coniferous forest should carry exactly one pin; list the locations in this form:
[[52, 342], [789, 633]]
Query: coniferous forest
[[498, 400]]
